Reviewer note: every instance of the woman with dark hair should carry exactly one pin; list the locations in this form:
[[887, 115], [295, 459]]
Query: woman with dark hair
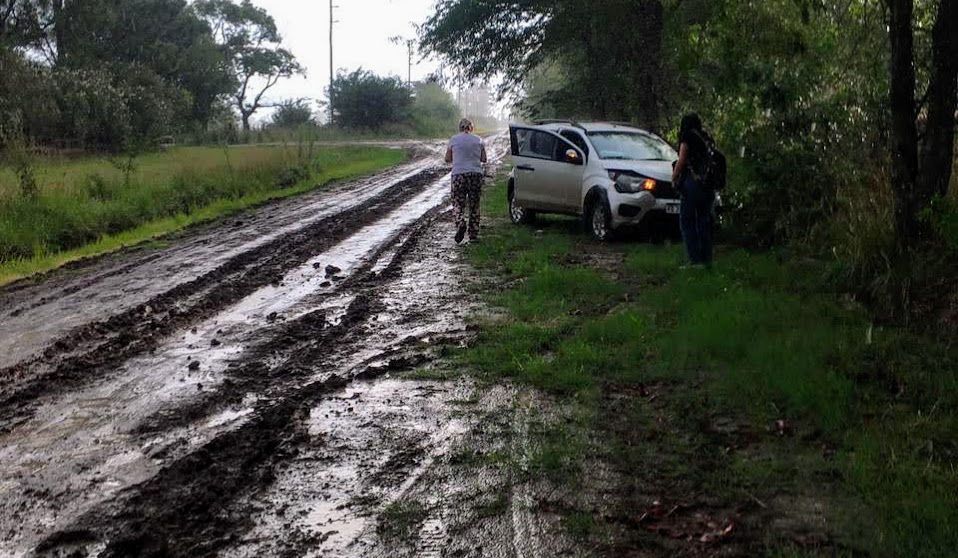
[[695, 212]]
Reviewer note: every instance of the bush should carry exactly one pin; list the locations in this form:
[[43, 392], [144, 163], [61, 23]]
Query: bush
[[292, 176], [291, 114], [942, 216], [364, 101]]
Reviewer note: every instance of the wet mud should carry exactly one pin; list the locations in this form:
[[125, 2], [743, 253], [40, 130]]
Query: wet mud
[[88, 350], [264, 401]]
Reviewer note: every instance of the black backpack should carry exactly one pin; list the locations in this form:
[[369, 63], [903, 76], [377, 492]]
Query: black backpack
[[716, 168], [715, 176], [715, 172]]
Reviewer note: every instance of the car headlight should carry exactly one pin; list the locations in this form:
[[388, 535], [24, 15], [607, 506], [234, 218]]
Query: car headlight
[[628, 182]]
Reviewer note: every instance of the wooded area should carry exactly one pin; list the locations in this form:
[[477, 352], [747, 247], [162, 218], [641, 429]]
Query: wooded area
[[110, 74], [839, 115]]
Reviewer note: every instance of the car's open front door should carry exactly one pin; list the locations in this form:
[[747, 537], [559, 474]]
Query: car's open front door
[[545, 179]]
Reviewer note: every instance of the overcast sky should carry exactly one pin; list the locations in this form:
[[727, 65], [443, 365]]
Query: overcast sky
[[361, 38]]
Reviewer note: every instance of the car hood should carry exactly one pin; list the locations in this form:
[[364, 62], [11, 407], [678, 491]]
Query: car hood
[[659, 170]]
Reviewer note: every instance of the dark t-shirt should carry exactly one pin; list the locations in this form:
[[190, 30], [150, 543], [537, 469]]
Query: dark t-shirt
[[698, 151]]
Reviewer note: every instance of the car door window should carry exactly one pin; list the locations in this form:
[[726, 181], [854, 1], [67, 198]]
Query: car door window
[[576, 140], [536, 144]]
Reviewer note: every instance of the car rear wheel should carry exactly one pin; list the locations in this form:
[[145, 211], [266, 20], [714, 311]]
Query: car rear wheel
[[519, 214], [600, 221]]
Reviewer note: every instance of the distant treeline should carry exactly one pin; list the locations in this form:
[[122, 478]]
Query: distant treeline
[[113, 74]]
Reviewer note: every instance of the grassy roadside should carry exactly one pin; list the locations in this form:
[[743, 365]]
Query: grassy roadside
[[750, 410], [85, 207]]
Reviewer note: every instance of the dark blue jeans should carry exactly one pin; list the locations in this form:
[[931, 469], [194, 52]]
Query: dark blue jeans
[[695, 220]]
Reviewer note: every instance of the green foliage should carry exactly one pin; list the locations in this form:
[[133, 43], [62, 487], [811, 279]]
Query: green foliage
[[19, 23], [943, 218], [250, 43], [28, 182], [170, 42], [401, 519], [789, 95], [434, 112], [364, 101], [293, 113], [609, 52], [105, 87]]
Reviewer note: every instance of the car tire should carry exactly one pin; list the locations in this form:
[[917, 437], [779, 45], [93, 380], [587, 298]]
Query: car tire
[[518, 214], [599, 220]]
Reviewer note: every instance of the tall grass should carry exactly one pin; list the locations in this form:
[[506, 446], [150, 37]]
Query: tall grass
[[760, 339], [82, 201]]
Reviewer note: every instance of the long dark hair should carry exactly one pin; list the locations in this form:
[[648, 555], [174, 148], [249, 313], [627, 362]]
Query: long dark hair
[[690, 123]]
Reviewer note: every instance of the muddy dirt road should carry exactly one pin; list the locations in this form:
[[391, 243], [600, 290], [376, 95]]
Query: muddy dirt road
[[233, 393]]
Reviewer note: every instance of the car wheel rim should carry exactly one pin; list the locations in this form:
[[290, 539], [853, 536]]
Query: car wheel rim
[[599, 227]]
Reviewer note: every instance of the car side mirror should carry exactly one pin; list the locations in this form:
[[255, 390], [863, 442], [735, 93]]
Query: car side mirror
[[572, 157]]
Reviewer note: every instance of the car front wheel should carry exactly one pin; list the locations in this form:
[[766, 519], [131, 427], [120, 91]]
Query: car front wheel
[[600, 220], [519, 214]]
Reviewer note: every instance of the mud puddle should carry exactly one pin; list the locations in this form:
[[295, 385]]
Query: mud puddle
[[368, 447]]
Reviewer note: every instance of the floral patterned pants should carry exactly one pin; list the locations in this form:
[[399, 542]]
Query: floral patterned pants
[[466, 190]]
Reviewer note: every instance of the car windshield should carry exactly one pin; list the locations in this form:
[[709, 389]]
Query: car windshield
[[631, 146]]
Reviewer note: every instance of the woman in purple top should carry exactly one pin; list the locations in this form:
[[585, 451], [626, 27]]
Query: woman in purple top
[[467, 153]]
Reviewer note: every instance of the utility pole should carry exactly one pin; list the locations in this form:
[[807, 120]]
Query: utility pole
[[332, 71], [410, 46]]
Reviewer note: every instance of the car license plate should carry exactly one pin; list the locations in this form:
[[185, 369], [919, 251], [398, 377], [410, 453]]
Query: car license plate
[[672, 209]]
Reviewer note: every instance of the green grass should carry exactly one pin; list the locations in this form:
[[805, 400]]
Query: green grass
[[401, 519], [758, 339], [89, 206], [495, 507]]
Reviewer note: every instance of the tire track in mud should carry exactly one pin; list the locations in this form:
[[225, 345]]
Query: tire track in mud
[[187, 508], [254, 374], [195, 501], [92, 350]]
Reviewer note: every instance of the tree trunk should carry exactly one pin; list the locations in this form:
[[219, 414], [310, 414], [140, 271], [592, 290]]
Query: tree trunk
[[904, 149], [59, 33], [649, 75], [246, 115], [938, 147]]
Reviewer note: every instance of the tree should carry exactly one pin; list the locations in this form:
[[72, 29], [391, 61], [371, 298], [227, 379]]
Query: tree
[[19, 23], [610, 51], [292, 113], [433, 110], [107, 73], [363, 100], [921, 162], [169, 39], [250, 42]]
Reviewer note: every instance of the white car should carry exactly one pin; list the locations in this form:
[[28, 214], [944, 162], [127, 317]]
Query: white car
[[611, 175]]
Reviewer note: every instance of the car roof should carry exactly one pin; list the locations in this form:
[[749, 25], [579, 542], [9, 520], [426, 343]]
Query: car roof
[[556, 125]]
